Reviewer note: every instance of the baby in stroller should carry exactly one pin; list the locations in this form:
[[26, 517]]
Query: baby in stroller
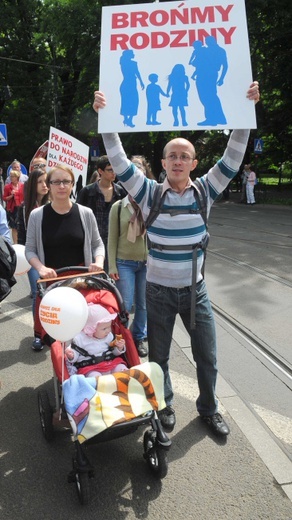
[[124, 396], [95, 351]]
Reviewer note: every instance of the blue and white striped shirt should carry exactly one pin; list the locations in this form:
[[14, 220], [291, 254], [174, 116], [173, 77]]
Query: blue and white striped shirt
[[174, 268]]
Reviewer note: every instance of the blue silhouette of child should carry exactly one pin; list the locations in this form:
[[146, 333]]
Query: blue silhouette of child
[[153, 93], [196, 57]]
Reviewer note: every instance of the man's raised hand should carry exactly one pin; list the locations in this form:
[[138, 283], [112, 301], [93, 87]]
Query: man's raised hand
[[99, 100]]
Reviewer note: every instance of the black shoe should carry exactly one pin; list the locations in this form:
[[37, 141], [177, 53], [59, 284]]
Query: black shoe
[[141, 348], [167, 418], [37, 344], [216, 423]]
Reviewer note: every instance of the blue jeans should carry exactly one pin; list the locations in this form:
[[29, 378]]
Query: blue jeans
[[132, 286], [163, 304], [33, 277]]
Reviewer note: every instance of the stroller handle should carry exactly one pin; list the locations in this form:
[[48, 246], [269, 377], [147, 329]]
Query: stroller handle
[[78, 268], [100, 278]]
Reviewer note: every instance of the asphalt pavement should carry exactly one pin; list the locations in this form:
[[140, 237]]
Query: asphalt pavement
[[245, 477]]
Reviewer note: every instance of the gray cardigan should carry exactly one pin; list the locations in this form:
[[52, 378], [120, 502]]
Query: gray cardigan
[[93, 244]]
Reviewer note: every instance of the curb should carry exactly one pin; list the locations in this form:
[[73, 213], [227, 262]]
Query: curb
[[256, 433]]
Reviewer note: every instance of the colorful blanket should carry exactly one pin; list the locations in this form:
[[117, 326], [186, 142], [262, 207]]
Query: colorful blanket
[[94, 404]]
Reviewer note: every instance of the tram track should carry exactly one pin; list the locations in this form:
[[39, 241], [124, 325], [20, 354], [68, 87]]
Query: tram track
[[248, 266], [258, 242], [257, 227], [257, 345], [277, 426], [248, 269]]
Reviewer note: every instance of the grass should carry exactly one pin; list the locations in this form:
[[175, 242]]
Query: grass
[[268, 191], [274, 181], [273, 193]]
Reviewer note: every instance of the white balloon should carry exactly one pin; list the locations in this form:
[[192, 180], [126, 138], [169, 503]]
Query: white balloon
[[22, 265], [63, 313]]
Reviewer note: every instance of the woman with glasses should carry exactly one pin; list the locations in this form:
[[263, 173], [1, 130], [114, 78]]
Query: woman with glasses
[[62, 233], [36, 194]]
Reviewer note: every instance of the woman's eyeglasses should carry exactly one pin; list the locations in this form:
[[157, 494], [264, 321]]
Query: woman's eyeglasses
[[58, 183]]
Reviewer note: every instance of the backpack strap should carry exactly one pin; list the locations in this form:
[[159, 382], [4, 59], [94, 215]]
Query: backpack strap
[[119, 215], [156, 205], [201, 198]]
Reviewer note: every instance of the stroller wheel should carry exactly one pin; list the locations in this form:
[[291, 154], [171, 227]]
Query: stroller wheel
[[155, 455], [46, 415], [82, 485]]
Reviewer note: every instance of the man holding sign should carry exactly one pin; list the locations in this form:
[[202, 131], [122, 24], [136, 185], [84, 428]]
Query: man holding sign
[[174, 271]]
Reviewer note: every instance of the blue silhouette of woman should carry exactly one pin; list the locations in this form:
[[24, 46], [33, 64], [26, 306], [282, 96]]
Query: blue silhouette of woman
[[178, 85], [128, 87]]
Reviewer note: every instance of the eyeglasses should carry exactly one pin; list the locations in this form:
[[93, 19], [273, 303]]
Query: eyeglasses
[[184, 157], [66, 182], [40, 165], [110, 170]]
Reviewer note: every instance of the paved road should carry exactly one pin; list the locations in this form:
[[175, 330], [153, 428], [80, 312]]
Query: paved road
[[206, 478], [250, 269], [249, 275]]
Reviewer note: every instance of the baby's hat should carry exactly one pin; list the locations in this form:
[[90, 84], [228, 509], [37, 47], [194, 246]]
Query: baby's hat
[[97, 314]]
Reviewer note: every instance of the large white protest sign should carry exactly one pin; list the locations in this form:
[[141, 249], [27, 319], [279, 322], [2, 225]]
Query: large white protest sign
[[175, 66], [68, 151]]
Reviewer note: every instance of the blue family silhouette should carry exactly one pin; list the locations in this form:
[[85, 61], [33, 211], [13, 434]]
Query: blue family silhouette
[[210, 67]]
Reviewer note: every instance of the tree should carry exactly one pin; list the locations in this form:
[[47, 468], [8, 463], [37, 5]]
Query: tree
[[49, 56], [270, 36]]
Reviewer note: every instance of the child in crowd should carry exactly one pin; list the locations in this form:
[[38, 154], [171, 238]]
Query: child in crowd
[[95, 351]]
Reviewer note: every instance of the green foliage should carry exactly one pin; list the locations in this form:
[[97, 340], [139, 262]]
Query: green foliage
[[49, 56]]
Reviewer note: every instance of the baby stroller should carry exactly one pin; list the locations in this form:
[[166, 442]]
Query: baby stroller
[[118, 404]]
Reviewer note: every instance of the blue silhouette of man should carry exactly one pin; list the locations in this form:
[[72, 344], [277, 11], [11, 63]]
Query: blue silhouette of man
[[211, 68]]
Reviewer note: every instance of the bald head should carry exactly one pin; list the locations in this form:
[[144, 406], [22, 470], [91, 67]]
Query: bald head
[[178, 162], [180, 141]]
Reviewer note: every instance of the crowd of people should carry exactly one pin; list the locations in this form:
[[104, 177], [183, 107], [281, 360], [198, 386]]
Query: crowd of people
[[105, 230]]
